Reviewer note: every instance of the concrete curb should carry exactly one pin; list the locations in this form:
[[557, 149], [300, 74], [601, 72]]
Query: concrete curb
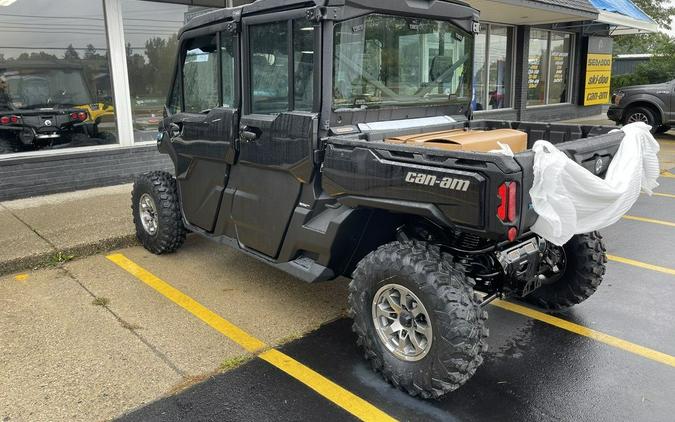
[[48, 259]]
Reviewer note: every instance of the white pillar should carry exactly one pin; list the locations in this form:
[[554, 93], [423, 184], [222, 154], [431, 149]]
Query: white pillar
[[112, 10]]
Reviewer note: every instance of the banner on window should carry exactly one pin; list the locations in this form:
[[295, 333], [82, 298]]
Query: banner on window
[[598, 71]]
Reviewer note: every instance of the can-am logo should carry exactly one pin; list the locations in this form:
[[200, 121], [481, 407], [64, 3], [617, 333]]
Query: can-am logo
[[443, 182]]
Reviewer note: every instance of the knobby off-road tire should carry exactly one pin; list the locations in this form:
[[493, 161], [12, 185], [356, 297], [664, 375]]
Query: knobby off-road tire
[[155, 197], [585, 265], [457, 321]]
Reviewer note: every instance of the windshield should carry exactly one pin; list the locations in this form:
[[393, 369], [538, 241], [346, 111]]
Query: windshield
[[41, 88], [384, 60]]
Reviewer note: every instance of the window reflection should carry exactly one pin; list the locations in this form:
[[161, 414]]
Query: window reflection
[[151, 36], [55, 88], [493, 67], [499, 65]]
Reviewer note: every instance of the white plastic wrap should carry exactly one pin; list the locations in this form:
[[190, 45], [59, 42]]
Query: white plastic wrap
[[571, 200]]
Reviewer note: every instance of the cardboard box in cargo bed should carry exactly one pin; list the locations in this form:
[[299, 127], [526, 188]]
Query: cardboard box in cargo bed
[[466, 140]]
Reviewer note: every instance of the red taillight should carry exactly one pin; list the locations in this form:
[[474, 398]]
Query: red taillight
[[4, 120], [81, 116], [508, 195], [15, 119], [512, 234], [501, 209]]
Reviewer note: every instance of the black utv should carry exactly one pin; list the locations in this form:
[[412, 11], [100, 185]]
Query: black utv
[[287, 125]]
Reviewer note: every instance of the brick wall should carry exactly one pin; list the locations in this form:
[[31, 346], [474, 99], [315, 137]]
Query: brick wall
[[31, 176]]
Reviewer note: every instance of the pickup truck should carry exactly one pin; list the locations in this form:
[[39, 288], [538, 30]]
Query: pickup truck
[[652, 104], [278, 124]]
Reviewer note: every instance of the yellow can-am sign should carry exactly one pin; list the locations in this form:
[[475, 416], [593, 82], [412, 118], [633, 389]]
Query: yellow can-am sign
[[598, 71]]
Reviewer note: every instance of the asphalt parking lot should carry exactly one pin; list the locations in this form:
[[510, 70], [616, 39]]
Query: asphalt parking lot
[[209, 334]]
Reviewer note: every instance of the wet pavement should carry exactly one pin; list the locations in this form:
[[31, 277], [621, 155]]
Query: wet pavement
[[533, 371], [87, 340]]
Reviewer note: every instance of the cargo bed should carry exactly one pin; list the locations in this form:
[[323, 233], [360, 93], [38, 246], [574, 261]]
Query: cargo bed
[[453, 188]]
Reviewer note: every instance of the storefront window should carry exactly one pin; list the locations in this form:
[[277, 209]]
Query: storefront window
[[479, 66], [493, 67], [559, 67], [548, 67], [150, 32], [55, 87], [499, 67], [537, 62]]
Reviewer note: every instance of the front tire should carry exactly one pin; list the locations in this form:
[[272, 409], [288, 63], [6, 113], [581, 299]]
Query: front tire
[[157, 215], [642, 114], [584, 268], [433, 302]]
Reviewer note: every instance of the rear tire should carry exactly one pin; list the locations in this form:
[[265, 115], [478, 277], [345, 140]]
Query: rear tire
[[453, 318], [585, 266], [157, 214]]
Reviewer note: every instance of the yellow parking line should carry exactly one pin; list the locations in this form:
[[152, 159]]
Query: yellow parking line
[[644, 265], [666, 195], [323, 386], [588, 332], [649, 220]]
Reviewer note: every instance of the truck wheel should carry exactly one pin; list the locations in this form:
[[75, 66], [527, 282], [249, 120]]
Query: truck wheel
[[417, 318], [157, 216], [585, 260], [642, 114]]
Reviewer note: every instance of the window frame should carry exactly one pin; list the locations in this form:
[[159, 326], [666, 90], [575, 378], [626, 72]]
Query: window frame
[[570, 67], [177, 81], [289, 17], [486, 65]]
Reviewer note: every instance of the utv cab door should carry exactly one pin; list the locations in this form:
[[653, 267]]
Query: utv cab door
[[278, 129], [205, 123]]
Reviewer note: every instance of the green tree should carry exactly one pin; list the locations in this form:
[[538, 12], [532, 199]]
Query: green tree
[[161, 53], [662, 11], [660, 68], [90, 53], [71, 54]]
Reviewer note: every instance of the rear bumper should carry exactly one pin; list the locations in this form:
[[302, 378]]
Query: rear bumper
[[615, 113]]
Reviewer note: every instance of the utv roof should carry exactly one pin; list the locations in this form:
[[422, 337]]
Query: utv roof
[[39, 65], [266, 6]]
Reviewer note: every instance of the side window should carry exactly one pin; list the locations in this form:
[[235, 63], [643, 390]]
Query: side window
[[227, 53], [269, 67], [200, 74], [303, 52]]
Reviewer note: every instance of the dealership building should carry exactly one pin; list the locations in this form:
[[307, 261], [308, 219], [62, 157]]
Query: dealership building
[[534, 60]]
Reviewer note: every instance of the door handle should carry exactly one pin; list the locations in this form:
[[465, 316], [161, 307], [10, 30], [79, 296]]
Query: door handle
[[248, 135], [174, 130]]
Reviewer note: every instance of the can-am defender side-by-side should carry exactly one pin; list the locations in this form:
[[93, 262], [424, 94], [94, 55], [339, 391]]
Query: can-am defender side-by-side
[[293, 127]]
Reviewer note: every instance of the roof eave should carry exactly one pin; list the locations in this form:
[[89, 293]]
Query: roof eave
[[623, 25]]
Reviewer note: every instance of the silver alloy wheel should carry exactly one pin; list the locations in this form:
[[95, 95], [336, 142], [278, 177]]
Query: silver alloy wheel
[[402, 322], [148, 214], [638, 117]]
